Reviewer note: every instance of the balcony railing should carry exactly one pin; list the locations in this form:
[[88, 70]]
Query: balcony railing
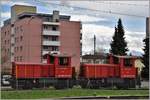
[[50, 32], [46, 52], [51, 43], [51, 23]]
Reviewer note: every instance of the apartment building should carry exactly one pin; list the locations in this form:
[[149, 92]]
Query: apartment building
[[28, 35]]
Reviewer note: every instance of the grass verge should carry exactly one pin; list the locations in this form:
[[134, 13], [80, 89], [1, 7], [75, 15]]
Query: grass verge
[[52, 93]]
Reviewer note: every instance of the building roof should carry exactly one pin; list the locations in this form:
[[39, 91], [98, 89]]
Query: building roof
[[27, 14], [58, 55], [125, 56], [96, 56]]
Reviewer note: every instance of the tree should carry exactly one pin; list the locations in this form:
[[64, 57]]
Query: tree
[[145, 71], [118, 44]]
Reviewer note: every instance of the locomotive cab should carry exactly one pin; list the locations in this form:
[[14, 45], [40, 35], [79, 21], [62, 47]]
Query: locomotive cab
[[62, 65], [128, 71], [126, 66]]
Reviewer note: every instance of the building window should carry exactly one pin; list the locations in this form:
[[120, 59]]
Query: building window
[[5, 50], [57, 20], [20, 58], [5, 33], [54, 38], [17, 59], [20, 48], [5, 41], [12, 54], [54, 28], [15, 29], [21, 29], [127, 62], [21, 38], [45, 27], [18, 39], [17, 48], [15, 39], [55, 48], [12, 44]]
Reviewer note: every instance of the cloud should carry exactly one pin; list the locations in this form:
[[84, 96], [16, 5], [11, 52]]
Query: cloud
[[5, 14], [86, 18], [104, 36], [117, 7], [13, 2]]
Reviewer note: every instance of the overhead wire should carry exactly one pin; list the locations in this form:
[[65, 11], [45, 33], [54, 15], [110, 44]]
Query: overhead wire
[[118, 3]]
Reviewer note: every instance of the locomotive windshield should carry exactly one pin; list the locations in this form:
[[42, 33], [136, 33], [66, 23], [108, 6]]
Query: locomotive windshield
[[116, 60], [127, 62], [63, 61]]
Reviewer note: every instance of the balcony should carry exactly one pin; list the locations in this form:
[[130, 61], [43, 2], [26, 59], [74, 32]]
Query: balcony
[[12, 40], [51, 23], [46, 52], [12, 49], [51, 43], [50, 32]]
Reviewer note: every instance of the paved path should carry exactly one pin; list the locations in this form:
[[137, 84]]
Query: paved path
[[145, 84]]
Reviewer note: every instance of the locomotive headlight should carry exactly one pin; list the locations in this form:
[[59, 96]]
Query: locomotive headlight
[[34, 81]]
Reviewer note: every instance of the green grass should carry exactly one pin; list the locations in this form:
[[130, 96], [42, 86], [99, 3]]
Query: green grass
[[52, 93]]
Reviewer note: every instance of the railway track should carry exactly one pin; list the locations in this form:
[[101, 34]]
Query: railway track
[[109, 97]]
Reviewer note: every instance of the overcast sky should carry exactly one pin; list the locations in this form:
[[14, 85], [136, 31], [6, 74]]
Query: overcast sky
[[97, 17]]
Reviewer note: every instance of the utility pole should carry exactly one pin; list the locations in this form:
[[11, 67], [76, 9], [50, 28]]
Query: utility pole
[[94, 48], [94, 44]]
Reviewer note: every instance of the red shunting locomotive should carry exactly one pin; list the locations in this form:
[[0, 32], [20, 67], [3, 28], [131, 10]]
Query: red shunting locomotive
[[58, 72], [120, 72]]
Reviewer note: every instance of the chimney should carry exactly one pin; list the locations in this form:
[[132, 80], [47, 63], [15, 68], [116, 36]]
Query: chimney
[[55, 16]]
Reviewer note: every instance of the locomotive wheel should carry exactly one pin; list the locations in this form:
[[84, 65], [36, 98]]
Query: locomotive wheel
[[62, 84], [71, 83], [83, 83], [94, 84], [27, 85]]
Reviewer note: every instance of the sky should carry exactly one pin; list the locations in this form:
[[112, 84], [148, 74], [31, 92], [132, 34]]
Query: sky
[[98, 18]]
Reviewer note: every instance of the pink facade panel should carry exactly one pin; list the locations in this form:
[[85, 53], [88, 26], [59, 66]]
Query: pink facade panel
[[6, 49], [70, 41], [28, 49]]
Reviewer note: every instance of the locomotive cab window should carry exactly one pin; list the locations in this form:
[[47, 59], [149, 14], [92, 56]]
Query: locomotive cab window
[[63, 61], [128, 62], [115, 60], [52, 59]]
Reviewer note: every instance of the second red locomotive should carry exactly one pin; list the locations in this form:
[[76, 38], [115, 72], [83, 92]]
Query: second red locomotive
[[120, 72]]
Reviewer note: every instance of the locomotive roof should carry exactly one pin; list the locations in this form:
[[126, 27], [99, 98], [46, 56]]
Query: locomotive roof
[[58, 55], [27, 63], [125, 56]]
